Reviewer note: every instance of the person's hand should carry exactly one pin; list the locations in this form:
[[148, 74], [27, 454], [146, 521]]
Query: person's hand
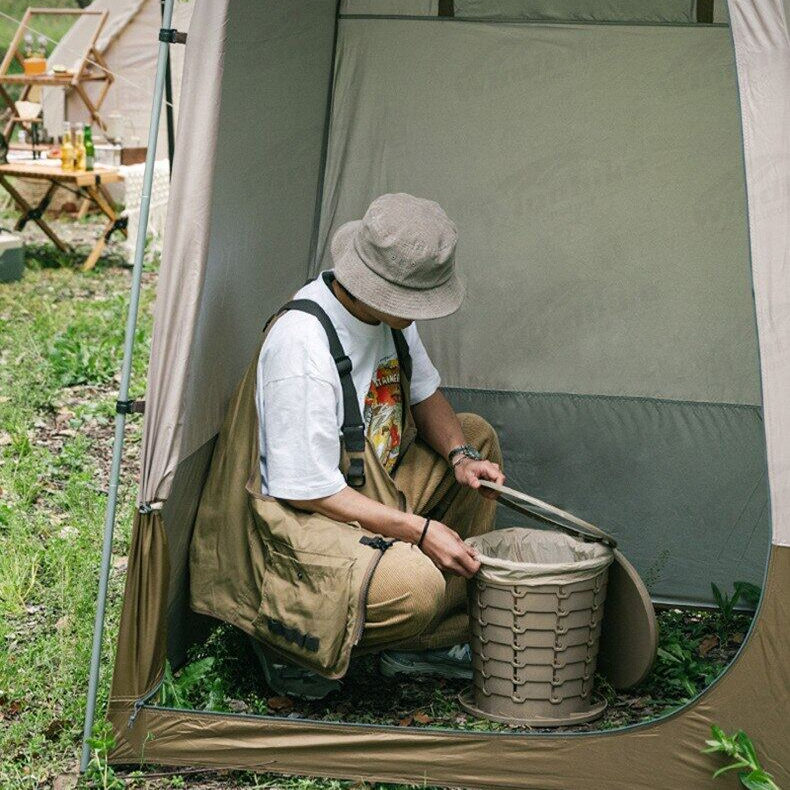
[[448, 552], [469, 472]]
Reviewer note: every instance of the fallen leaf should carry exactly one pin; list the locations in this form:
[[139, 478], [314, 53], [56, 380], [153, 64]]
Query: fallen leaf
[[280, 704], [11, 709], [54, 728], [423, 718], [707, 644], [238, 705], [406, 722], [62, 623], [738, 638]]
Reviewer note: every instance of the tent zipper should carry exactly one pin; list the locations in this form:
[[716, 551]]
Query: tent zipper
[[139, 703], [381, 545]]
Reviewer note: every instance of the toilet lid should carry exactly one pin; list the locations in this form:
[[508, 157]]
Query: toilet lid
[[629, 637]]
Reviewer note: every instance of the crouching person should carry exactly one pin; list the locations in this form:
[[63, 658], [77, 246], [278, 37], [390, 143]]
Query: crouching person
[[364, 481]]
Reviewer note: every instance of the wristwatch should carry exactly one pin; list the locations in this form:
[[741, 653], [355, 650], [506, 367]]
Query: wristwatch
[[464, 451]]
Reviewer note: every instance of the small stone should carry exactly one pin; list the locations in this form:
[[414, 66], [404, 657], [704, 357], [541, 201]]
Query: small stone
[[280, 704], [65, 782]]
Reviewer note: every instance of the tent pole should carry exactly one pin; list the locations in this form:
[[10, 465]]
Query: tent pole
[[169, 119], [123, 393]]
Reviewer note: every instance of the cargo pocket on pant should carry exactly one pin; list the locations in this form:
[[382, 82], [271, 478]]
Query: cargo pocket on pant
[[304, 609]]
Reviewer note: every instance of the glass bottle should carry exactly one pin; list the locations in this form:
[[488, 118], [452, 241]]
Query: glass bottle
[[67, 148], [79, 148], [90, 151]]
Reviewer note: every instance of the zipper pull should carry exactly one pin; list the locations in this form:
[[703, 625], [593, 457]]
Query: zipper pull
[[138, 706]]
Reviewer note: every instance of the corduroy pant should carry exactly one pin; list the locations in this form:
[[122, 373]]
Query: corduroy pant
[[411, 604]]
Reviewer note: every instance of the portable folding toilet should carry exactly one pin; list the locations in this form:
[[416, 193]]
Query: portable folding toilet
[[598, 158]]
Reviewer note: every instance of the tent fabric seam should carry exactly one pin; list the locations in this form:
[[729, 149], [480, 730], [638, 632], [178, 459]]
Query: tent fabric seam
[[533, 21], [587, 396], [321, 182]]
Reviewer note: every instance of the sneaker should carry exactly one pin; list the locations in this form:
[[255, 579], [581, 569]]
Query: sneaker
[[289, 680], [446, 662]]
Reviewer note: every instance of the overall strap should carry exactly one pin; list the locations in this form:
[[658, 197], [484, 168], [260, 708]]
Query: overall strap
[[353, 429], [402, 350]]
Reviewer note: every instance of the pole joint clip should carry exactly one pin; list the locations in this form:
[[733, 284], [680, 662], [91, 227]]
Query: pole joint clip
[[169, 35], [130, 407]]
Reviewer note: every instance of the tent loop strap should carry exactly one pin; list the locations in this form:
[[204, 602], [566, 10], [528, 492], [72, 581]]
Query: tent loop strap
[[169, 35]]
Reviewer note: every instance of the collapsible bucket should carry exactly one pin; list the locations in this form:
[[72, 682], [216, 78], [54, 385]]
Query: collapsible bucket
[[537, 612], [536, 608]]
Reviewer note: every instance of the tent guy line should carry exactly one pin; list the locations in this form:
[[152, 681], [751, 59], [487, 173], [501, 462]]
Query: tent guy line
[[87, 60]]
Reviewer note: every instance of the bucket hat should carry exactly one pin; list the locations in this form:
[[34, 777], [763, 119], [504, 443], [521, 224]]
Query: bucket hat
[[400, 258]]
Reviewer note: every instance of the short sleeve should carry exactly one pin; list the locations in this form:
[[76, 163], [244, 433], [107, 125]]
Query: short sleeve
[[425, 379], [301, 441], [297, 402]]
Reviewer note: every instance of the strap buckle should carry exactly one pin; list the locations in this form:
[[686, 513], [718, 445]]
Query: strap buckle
[[355, 476], [343, 365]]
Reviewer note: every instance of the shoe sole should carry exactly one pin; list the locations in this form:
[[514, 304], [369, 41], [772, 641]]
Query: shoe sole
[[391, 668], [311, 690]]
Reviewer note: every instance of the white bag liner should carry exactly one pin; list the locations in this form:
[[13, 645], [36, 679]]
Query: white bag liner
[[534, 557]]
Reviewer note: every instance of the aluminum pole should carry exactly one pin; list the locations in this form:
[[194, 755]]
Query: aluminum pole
[[169, 119], [123, 393]]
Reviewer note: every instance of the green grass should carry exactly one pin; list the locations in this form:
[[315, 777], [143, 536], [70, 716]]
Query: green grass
[[61, 333]]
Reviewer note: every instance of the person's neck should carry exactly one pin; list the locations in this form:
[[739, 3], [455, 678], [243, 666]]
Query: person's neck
[[354, 306]]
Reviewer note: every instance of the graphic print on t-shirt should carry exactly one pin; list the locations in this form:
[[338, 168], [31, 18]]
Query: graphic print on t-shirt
[[384, 411]]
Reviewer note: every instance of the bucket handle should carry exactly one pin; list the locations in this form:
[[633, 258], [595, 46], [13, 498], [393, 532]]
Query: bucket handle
[[567, 522]]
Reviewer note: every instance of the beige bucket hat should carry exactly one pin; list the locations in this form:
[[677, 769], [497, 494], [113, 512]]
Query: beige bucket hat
[[400, 258]]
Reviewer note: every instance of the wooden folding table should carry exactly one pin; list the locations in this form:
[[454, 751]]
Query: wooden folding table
[[86, 184]]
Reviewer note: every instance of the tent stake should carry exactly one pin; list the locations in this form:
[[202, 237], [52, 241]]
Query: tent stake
[[123, 394]]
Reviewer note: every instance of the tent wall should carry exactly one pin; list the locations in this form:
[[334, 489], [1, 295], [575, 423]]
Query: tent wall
[[406, 7], [665, 11], [242, 208], [762, 47], [609, 331], [250, 217]]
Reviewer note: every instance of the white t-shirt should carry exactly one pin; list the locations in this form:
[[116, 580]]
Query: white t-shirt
[[300, 400]]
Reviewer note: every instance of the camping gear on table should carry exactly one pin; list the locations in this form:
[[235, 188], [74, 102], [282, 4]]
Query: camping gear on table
[[537, 607]]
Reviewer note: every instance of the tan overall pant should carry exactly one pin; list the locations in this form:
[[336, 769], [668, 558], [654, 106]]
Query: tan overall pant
[[411, 604]]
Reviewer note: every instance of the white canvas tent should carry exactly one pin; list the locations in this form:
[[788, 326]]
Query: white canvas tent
[[623, 193], [127, 45]]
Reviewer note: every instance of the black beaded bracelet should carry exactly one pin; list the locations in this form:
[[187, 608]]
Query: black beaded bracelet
[[424, 533]]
